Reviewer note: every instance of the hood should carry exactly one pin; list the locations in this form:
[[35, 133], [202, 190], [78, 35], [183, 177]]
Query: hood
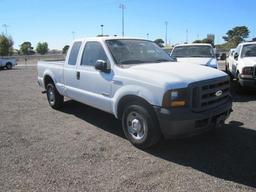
[[170, 74], [195, 60], [248, 61]]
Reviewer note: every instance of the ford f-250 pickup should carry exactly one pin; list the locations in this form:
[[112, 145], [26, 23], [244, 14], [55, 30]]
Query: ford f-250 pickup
[[140, 84]]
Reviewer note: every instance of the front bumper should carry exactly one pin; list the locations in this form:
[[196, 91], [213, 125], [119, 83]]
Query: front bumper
[[247, 82], [184, 122]]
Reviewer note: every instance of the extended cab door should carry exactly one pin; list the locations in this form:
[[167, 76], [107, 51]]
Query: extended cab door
[[70, 73], [94, 85]]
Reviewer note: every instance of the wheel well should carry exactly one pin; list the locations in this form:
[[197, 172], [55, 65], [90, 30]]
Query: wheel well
[[8, 63], [47, 80], [127, 99]]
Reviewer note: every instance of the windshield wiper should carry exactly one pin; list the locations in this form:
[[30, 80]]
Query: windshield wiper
[[132, 62], [162, 60]]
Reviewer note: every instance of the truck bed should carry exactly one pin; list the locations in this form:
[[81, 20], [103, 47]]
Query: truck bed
[[52, 68]]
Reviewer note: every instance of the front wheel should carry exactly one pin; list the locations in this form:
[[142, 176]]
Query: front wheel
[[140, 125], [55, 100], [8, 66]]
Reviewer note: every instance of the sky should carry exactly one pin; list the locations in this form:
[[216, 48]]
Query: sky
[[59, 21]]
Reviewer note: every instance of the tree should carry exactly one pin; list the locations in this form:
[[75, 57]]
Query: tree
[[42, 48], [197, 41], [65, 49], [236, 35], [26, 48], [159, 42], [6, 45]]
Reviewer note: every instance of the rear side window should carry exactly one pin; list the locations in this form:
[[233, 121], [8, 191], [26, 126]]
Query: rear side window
[[93, 51], [74, 53]]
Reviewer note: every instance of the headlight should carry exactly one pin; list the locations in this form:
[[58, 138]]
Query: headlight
[[175, 98], [247, 71]]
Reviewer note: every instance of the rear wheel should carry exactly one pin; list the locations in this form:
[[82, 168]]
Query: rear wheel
[[55, 100], [8, 66], [140, 125]]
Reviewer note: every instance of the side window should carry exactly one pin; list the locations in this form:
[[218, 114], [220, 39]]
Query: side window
[[238, 49], [93, 51], [74, 53]]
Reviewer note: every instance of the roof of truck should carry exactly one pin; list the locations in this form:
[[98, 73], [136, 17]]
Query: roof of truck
[[248, 43], [106, 38], [192, 44]]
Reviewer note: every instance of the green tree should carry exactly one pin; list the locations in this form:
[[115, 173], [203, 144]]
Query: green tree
[[206, 40], [65, 49], [197, 41], [6, 45], [42, 48], [26, 48], [159, 42], [236, 35]]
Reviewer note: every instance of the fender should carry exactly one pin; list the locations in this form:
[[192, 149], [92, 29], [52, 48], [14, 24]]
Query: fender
[[154, 97]]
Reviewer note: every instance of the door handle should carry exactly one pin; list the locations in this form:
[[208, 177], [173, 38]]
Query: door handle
[[78, 75]]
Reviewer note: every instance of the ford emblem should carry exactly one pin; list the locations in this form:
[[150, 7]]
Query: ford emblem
[[218, 93]]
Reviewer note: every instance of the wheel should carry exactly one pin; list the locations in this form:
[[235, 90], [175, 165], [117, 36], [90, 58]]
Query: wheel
[[54, 98], [8, 66], [140, 125]]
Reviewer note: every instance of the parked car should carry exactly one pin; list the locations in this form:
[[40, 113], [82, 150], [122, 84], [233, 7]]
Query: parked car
[[7, 63], [243, 68], [230, 59], [139, 83], [196, 53]]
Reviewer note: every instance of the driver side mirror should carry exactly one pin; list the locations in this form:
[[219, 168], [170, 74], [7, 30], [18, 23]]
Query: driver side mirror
[[236, 56], [102, 65]]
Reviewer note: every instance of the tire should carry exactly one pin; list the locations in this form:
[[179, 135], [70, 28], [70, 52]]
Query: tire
[[8, 66], [140, 125], [55, 100]]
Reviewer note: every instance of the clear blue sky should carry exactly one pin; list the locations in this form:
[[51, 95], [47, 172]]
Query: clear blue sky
[[54, 20]]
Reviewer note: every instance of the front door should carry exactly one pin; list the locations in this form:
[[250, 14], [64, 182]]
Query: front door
[[94, 86]]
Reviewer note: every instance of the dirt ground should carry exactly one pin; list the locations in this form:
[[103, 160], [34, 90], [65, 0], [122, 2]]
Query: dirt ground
[[79, 148]]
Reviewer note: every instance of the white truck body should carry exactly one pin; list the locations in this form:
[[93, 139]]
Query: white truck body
[[243, 64], [7, 63], [146, 81], [195, 54]]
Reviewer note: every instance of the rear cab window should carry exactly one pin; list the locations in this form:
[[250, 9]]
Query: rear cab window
[[74, 53]]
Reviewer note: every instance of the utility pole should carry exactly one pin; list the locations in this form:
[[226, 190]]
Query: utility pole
[[147, 35], [102, 30], [122, 6], [5, 26], [186, 35], [166, 24]]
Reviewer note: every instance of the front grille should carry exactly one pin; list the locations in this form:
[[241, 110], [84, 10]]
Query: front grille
[[204, 94]]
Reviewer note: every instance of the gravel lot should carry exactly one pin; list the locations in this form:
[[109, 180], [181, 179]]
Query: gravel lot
[[79, 148]]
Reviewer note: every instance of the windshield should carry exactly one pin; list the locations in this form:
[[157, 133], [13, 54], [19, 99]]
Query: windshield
[[249, 50], [133, 51], [193, 51]]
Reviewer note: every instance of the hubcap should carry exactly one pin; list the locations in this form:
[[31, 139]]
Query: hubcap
[[137, 125], [51, 95]]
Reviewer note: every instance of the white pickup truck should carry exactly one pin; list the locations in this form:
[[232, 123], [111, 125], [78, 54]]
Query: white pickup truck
[[195, 53], [7, 63], [137, 82], [243, 67]]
